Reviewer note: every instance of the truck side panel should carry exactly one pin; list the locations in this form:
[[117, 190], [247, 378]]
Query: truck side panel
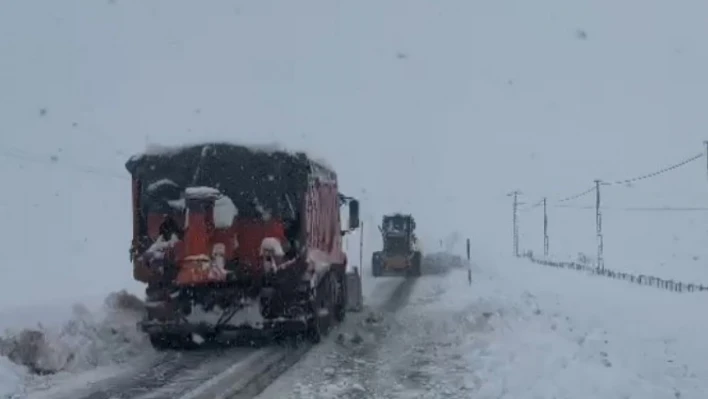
[[323, 224]]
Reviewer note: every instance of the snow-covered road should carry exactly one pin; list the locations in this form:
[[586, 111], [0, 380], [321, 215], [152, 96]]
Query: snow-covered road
[[519, 331], [391, 351], [167, 375]]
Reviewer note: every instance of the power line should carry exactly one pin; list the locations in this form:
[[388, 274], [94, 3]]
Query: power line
[[537, 204], [566, 199], [639, 208], [24, 156], [625, 181], [530, 207], [576, 196], [659, 172]]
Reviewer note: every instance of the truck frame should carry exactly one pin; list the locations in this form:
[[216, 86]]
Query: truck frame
[[234, 241]]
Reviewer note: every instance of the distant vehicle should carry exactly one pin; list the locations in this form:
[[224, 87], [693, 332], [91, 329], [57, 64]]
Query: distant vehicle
[[401, 255], [233, 240]]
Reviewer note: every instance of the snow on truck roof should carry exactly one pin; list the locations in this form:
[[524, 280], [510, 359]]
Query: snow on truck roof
[[169, 151], [256, 178]]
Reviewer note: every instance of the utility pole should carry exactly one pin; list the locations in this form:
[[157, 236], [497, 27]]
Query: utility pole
[[545, 228], [598, 224], [515, 194]]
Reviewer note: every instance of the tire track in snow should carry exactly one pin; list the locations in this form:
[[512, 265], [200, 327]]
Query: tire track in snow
[[249, 378], [394, 301], [400, 295], [371, 361], [354, 356], [165, 371]]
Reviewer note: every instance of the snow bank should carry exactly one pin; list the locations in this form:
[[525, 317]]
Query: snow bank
[[11, 379], [32, 357]]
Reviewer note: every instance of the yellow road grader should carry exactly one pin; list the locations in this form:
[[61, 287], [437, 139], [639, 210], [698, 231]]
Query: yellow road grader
[[401, 254]]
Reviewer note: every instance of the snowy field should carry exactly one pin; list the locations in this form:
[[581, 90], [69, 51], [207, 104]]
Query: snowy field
[[569, 335], [520, 331]]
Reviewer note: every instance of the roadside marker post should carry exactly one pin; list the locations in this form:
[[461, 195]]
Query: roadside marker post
[[469, 264]]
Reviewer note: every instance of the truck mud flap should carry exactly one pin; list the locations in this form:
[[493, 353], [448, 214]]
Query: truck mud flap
[[355, 298]]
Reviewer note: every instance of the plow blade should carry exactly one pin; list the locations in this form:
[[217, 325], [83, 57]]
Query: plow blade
[[355, 298]]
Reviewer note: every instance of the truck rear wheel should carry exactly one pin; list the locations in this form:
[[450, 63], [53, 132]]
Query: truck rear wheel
[[323, 310]]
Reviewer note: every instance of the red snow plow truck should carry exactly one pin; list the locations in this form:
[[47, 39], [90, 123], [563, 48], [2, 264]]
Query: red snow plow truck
[[233, 240]]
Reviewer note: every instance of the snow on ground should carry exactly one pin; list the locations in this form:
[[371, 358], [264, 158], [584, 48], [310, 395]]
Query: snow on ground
[[519, 331], [559, 333], [356, 362], [11, 379], [91, 343]]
